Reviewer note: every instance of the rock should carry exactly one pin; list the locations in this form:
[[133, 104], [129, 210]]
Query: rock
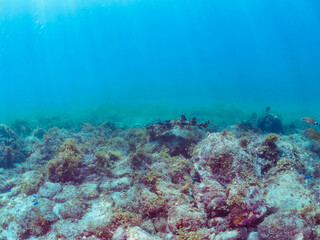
[[121, 169], [3, 235], [219, 224], [35, 220], [177, 135], [212, 196], [179, 140], [220, 157], [49, 190], [136, 233], [253, 236], [148, 226], [285, 191], [284, 225], [120, 199], [66, 227], [252, 208], [116, 184], [239, 234], [45, 206], [119, 234], [68, 192], [89, 191], [74, 209], [161, 223], [270, 122], [184, 216], [98, 220]]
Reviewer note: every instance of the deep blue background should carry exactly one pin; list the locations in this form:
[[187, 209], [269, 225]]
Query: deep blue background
[[249, 53]]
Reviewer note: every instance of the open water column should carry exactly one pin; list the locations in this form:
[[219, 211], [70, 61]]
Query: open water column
[[159, 119], [68, 55]]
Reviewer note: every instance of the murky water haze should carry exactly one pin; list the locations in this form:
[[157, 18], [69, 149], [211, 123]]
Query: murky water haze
[[161, 56]]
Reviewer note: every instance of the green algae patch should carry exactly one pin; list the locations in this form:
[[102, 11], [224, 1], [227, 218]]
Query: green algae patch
[[32, 182], [65, 166], [141, 156], [269, 149]]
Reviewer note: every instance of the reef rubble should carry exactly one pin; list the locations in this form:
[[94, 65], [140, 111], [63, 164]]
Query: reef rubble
[[173, 180]]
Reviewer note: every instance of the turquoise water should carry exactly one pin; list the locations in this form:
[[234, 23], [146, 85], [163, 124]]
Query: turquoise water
[[71, 56], [105, 111]]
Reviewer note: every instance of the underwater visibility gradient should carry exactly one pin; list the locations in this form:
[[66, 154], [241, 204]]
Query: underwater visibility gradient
[[70, 55], [159, 120]]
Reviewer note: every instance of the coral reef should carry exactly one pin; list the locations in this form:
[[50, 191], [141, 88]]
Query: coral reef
[[174, 180]]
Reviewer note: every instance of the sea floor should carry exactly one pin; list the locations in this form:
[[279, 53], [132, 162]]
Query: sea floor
[[218, 175]]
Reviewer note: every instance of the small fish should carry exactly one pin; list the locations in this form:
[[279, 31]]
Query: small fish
[[36, 203], [309, 120], [313, 134]]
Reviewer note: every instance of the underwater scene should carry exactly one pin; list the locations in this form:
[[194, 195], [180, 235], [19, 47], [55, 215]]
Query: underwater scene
[[159, 120]]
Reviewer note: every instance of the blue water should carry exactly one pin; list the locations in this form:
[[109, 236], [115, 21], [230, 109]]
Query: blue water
[[183, 53]]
